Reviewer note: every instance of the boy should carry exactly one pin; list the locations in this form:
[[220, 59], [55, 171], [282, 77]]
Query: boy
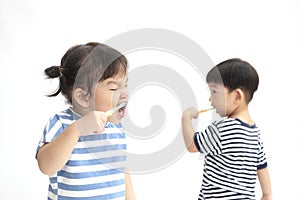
[[234, 153]]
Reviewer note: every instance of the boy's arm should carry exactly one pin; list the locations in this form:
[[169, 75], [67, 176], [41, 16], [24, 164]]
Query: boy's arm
[[188, 130], [265, 183], [130, 195]]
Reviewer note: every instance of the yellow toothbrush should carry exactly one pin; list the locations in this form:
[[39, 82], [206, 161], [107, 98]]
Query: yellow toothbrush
[[202, 111]]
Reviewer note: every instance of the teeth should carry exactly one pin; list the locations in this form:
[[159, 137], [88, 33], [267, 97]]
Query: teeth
[[121, 109]]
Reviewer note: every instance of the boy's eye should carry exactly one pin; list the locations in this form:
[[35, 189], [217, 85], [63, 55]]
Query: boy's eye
[[214, 91], [114, 89]]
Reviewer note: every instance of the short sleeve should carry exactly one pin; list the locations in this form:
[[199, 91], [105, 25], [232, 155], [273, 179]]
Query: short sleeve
[[262, 160], [52, 129], [208, 141]]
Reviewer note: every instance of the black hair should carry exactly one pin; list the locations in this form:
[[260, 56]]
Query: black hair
[[82, 66], [235, 74]]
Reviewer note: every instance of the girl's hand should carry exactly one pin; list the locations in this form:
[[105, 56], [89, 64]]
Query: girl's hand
[[93, 122]]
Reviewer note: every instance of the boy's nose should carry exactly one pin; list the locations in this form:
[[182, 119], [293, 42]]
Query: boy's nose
[[209, 99]]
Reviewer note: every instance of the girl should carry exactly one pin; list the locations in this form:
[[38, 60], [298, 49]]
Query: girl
[[82, 149]]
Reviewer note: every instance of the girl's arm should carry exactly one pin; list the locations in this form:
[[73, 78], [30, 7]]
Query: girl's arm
[[188, 130], [265, 183], [54, 155], [130, 195]]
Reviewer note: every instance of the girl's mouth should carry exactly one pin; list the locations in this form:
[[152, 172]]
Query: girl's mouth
[[116, 109], [122, 110]]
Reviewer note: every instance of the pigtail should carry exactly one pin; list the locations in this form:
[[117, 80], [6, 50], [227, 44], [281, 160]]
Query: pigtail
[[53, 72]]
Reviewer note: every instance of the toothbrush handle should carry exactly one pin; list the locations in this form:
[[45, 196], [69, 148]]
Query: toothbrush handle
[[205, 110], [110, 112], [115, 109], [202, 111]]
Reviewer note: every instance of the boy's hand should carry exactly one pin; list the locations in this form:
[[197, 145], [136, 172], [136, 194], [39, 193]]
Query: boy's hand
[[93, 122], [269, 197], [190, 113]]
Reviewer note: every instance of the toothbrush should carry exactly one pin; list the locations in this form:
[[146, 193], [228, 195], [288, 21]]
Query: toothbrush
[[115, 109], [201, 111]]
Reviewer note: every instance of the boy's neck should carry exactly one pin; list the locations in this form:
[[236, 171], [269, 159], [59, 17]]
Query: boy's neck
[[242, 114]]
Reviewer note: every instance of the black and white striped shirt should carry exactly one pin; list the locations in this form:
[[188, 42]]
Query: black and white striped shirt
[[233, 154]]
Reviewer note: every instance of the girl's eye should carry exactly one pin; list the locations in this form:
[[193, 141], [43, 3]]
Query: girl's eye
[[114, 89]]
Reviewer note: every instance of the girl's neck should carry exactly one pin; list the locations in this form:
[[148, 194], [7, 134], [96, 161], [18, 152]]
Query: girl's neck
[[79, 111]]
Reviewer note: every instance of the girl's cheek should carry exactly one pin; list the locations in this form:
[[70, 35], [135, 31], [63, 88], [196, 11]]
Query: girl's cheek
[[103, 102]]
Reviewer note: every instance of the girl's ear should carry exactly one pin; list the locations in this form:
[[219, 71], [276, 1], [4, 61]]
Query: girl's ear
[[81, 97]]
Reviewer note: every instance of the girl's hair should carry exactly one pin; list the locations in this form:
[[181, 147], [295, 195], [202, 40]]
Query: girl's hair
[[83, 66], [233, 74]]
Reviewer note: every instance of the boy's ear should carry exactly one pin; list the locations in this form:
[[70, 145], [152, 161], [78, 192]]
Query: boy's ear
[[239, 95], [81, 97]]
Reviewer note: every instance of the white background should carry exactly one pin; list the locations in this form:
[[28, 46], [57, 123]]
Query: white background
[[35, 35]]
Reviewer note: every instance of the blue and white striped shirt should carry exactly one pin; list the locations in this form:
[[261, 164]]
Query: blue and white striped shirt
[[233, 154], [96, 167]]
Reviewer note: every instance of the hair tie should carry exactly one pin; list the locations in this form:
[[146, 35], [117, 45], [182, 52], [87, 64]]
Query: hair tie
[[60, 71], [57, 70]]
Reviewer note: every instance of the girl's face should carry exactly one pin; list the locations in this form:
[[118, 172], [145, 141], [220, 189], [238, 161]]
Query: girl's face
[[110, 93], [221, 99]]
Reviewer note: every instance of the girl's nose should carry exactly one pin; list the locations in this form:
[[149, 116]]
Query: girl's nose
[[124, 93]]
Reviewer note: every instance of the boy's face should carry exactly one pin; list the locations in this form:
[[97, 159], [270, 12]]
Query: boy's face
[[221, 99], [110, 93]]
